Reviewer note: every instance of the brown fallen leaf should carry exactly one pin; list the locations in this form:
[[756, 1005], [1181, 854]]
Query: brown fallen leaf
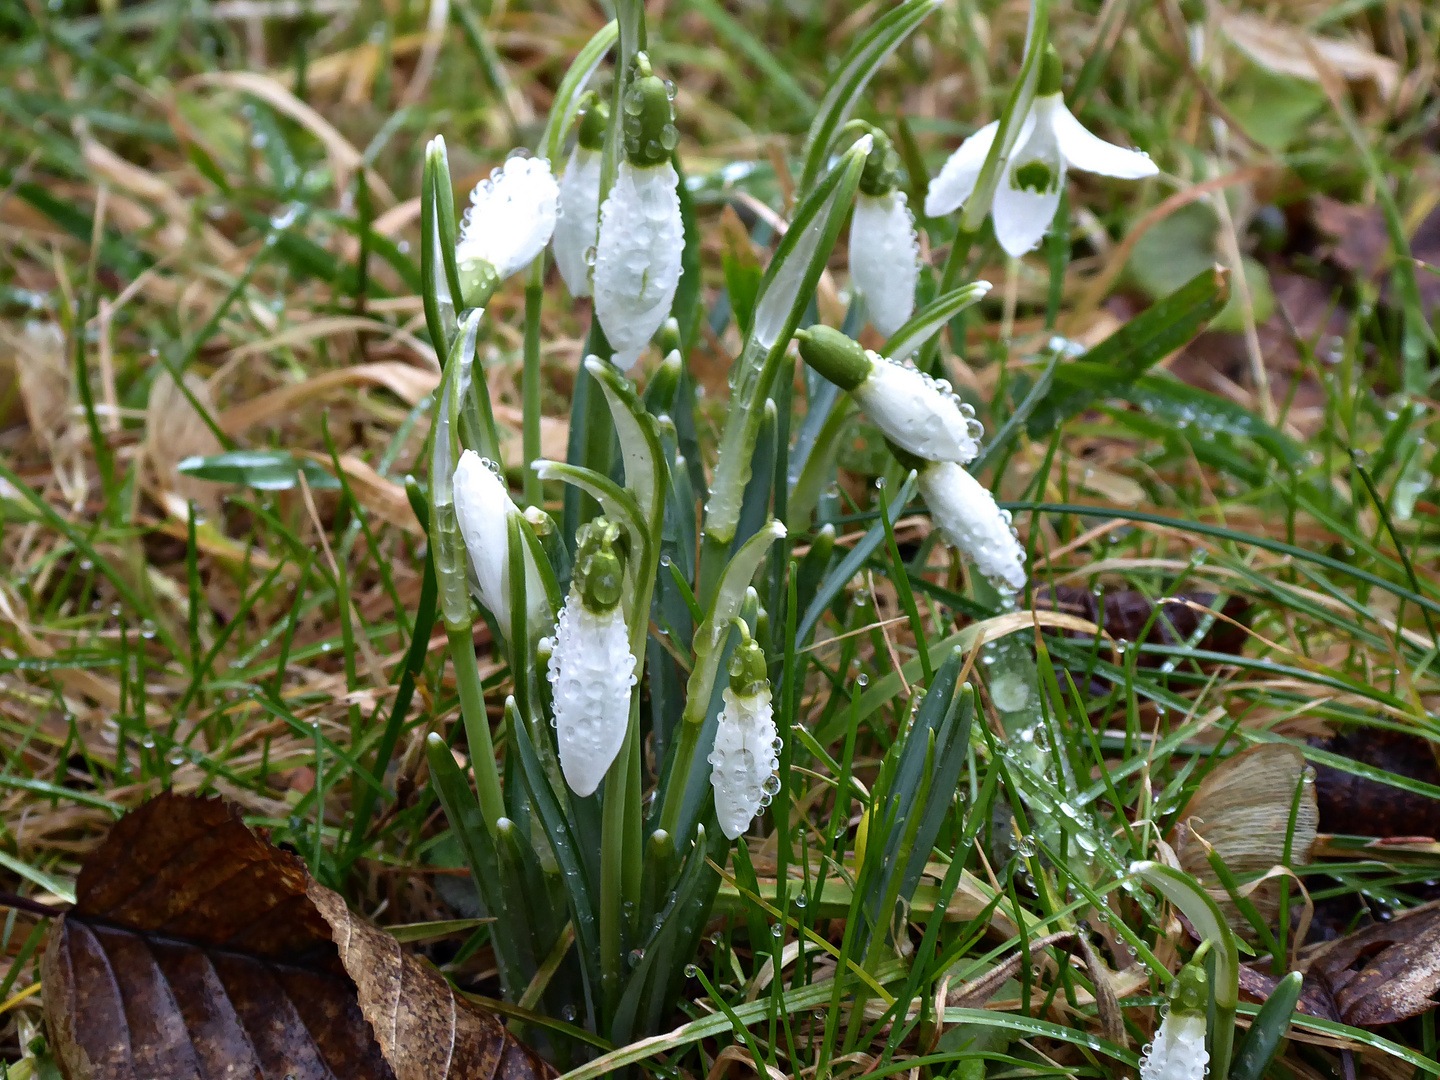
[[1357, 806], [198, 949], [1381, 974], [1242, 810]]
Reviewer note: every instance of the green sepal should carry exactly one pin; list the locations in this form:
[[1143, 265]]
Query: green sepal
[[593, 122], [599, 574], [883, 169], [648, 123], [838, 357]]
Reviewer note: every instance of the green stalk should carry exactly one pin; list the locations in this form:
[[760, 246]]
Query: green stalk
[[612, 880], [530, 382], [477, 724]]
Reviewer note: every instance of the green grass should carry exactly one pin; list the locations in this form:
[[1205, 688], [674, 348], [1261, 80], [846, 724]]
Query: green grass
[[158, 219]]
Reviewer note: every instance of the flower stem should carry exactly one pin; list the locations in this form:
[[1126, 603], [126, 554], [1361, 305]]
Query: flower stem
[[477, 724], [612, 879], [530, 385]]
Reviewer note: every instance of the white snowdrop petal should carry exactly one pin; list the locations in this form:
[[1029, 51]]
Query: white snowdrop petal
[[1178, 1052], [885, 258], [744, 760], [637, 258], [956, 180], [970, 521], [1090, 153], [917, 413], [482, 506], [1021, 212], [577, 229], [591, 672], [511, 216]]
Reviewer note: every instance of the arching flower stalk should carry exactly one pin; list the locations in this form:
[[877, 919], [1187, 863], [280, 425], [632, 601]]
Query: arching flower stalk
[[637, 256], [1051, 141], [917, 413], [482, 508], [591, 668], [884, 250], [1178, 1050], [971, 522], [746, 746], [509, 222], [577, 230]]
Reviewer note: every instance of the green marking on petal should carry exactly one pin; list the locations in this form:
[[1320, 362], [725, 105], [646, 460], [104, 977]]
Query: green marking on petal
[[1035, 176]]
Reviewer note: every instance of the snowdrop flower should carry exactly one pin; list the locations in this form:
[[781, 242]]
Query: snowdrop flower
[[1178, 1051], [917, 413], [637, 256], [509, 222], [746, 747], [577, 229], [884, 250], [591, 666], [482, 508], [971, 522], [1050, 141]]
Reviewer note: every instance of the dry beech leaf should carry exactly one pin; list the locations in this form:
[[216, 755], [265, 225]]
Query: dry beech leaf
[[1288, 51], [1242, 810], [196, 949], [1358, 806], [175, 430], [1381, 974]]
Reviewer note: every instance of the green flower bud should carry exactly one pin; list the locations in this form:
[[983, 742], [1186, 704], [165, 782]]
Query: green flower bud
[[882, 173], [1190, 993], [649, 121], [835, 356], [478, 281], [599, 573], [749, 673], [593, 123]]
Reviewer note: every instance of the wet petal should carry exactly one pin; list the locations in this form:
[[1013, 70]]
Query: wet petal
[[591, 672], [1090, 153], [578, 227], [511, 216], [949, 190], [637, 259], [1029, 190], [885, 258]]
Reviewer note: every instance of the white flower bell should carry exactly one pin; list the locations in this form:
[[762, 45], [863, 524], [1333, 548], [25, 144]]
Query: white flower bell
[[511, 216], [970, 521], [917, 413], [591, 667], [884, 249], [482, 508], [577, 230], [1178, 1050], [1050, 142], [745, 756], [642, 236]]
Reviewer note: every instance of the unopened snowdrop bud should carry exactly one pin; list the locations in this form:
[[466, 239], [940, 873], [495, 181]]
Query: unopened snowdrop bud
[[916, 412], [637, 256], [884, 250], [745, 758], [577, 230], [1050, 142], [1178, 1051], [509, 222], [971, 522], [591, 668], [483, 507]]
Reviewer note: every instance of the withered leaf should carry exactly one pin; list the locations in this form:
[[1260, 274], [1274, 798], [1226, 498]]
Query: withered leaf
[[1387, 972], [197, 949], [1381, 974], [1357, 806], [1242, 810]]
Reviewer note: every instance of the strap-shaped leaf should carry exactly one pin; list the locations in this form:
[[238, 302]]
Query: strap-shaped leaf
[[639, 438], [929, 320], [572, 88], [619, 505], [856, 71]]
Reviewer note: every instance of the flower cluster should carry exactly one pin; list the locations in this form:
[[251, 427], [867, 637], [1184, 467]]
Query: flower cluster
[[931, 429]]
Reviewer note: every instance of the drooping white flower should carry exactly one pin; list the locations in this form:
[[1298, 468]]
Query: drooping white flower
[[577, 230], [917, 413], [591, 668], [745, 756], [642, 236], [1178, 1050], [1050, 142], [482, 508], [885, 258], [884, 249], [970, 521], [509, 222]]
